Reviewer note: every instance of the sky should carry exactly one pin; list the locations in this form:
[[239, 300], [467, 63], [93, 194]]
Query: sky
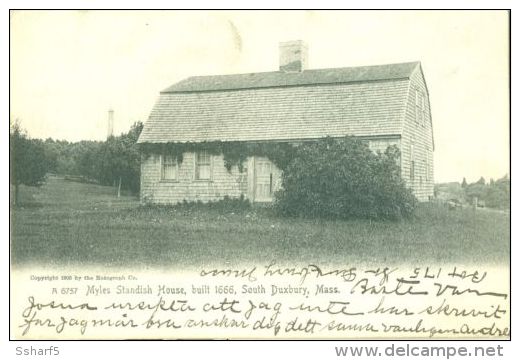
[[68, 68]]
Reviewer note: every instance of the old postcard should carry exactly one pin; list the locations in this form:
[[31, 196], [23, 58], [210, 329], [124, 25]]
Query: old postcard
[[260, 175]]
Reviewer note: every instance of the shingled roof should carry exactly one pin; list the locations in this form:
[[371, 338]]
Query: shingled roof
[[361, 101]]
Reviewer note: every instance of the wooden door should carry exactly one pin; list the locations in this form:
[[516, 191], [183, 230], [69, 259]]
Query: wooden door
[[263, 180]]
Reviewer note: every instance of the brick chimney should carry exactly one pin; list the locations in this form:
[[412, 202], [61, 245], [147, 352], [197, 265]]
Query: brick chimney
[[293, 56]]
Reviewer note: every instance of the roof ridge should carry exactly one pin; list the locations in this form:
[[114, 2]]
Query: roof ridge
[[202, 83], [307, 70]]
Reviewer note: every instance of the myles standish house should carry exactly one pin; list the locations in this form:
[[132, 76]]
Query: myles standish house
[[383, 104]]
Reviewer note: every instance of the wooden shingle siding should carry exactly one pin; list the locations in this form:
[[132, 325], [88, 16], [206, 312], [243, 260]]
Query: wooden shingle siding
[[418, 136], [222, 183], [308, 112]]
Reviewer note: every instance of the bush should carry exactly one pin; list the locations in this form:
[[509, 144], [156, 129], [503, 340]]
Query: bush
[[226, 204], [341, 179]]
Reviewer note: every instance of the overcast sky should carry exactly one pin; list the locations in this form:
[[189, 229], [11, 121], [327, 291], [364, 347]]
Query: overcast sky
[[69, 67]]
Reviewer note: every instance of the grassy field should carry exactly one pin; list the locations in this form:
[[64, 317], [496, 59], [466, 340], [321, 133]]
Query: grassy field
[[68, 223]]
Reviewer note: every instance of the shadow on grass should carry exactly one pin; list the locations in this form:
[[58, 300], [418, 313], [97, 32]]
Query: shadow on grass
[[27, 205]]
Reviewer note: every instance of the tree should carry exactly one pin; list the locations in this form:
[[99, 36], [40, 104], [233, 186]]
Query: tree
[[118, 160], [343, 178], [28, 163], [496, 194], [86, 158], [107, 162], [464, 183], [499, 193], [476, 190]]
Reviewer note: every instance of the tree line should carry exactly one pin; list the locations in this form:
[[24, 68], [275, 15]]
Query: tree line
[[494, 194], [115, 161]]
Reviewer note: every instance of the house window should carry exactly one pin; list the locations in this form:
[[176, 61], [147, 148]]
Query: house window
[[202, 166], [427, 167], [412, 161], [419, 107], [169, 169]]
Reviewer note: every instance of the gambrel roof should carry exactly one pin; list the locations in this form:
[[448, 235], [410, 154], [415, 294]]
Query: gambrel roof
[[360, 101]]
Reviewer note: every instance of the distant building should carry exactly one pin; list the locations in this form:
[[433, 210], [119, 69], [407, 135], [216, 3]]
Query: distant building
[[384, 105]]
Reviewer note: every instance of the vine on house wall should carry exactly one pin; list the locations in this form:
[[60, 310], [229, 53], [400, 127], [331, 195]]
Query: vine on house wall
[[234, 152]]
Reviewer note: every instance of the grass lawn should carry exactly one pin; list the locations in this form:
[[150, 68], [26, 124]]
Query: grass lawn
[[68, 223]]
